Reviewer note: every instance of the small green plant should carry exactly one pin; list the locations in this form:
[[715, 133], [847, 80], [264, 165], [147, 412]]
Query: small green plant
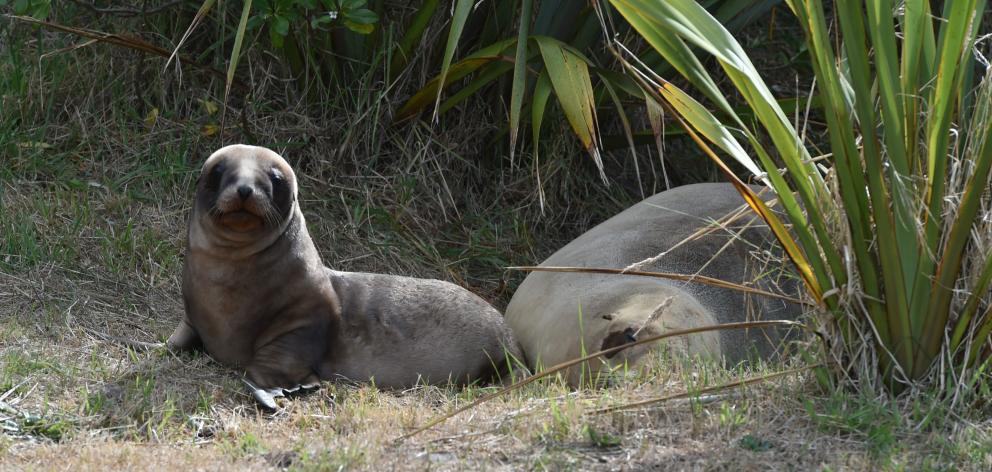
[[94, 403], [733, 416], [244, 445], [754, 443], [344, 458], [353, 14], [51, 428], [601, 439], [876, 421], [558, 428]]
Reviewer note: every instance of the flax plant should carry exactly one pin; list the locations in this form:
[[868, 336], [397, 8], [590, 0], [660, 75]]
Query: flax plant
[[890, 232]]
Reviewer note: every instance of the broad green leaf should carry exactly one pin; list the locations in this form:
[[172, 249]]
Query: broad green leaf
[[470, 64], [712, 129], [281, 25], [486, 75], [569, 75], [347, 5], [360, 28], [362, 17]]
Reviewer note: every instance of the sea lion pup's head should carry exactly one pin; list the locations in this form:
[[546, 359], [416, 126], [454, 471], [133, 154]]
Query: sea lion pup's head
[[245, 197]]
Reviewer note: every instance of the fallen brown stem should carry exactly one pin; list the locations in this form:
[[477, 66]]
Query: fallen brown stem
[[123, 41], [715, 388], [702, 279], [121, 11], [604, 352]]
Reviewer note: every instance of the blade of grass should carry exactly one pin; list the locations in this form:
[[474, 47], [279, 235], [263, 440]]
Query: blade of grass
[[808, 273], [697, 27], [971, 306], [412, 37], [949, 268], [519, 74], [200, 14], [542, 91], [627, 131], [462, 9], [881, 29], [232, 67], [917, 39]]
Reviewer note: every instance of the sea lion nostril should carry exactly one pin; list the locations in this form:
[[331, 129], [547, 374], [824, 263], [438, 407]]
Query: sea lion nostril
[[244, 191]]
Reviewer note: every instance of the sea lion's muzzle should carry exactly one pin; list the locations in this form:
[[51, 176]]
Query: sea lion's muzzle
[[241, 221], [242, 209]]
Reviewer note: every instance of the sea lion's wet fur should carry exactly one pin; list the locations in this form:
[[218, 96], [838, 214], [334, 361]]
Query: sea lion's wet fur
[[259, 298], [545, 310]]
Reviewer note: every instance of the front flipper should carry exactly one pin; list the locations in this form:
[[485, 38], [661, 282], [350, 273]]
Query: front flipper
[[266, 397], [184, 338], [284, 366]]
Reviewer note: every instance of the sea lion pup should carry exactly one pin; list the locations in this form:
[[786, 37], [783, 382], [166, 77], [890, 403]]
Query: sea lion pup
[[560, 316], [258, 297]]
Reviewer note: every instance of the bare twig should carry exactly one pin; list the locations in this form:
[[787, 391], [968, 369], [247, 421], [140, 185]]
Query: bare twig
[[136, 345]]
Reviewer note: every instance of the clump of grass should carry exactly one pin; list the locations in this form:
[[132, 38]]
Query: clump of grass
[[890, 234]]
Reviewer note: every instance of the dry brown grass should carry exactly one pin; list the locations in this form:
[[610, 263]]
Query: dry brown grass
[[196, 415]]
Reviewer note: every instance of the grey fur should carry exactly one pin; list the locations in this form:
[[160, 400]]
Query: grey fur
[[544, 311], [261, 300]]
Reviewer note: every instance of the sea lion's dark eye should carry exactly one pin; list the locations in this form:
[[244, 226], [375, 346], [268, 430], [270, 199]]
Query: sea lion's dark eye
[[278, 181], [281, 197], [213, 179]]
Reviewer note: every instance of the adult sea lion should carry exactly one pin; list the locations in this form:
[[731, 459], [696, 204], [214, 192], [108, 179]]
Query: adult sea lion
[[560, 316], [258, 297]]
